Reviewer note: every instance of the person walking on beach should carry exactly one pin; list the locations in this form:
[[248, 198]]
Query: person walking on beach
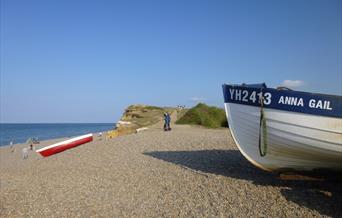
[[168, 122], [165, 121], [12, 147], [25, 153]]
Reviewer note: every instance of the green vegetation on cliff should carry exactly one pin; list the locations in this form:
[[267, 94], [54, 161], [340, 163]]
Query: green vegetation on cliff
[[143, 115], [204, 115]]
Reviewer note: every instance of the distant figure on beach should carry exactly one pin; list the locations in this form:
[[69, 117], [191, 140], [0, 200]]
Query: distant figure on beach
[[12, 147], [167, 121], [180, 107], [25, 153], [31, 142]]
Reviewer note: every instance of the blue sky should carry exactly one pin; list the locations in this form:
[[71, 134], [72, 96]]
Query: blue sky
[[85, 61]]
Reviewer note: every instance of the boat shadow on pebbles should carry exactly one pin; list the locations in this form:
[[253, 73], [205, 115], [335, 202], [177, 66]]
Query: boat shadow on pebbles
[[322, 196]]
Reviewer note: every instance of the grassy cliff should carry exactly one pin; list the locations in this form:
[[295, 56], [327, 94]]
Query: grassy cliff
[[204, 115], [138, 116], [143, 115]]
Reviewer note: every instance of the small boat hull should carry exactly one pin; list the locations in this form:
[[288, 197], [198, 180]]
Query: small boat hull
[[296, 139], [64, 145]]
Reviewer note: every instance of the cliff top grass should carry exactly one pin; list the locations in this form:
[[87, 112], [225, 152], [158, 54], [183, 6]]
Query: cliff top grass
[[204, 115], [144, 115]]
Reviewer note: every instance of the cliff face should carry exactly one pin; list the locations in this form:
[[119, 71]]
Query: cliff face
[[143, 115], [138, 116]]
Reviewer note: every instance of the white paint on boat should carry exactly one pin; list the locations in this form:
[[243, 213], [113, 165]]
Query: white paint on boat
[[295, 140]]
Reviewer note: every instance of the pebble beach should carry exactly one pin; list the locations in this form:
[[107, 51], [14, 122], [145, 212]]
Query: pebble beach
[[187, 172]]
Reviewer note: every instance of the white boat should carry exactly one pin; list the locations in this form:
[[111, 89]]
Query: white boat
[[281, 130]]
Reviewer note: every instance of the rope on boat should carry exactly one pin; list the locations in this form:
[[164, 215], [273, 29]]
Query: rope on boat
[[262, 128]]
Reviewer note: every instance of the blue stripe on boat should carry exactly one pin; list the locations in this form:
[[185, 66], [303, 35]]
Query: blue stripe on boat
[[301, 102]]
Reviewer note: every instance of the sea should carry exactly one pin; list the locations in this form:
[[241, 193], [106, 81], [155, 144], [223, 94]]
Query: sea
[[19, 133]]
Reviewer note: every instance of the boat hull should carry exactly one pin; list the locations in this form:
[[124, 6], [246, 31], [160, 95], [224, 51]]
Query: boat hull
[[64, 145], [295, 140]]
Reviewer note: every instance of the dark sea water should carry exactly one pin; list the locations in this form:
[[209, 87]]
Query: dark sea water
[[19, 133]]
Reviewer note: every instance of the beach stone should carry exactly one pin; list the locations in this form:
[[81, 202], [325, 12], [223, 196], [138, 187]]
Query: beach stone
[[187, 172]]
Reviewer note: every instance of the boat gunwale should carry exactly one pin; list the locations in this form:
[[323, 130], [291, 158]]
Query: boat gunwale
[[335, 109], [282, 90]]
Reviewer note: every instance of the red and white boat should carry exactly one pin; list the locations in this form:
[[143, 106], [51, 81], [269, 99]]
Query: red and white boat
[[64, 145]]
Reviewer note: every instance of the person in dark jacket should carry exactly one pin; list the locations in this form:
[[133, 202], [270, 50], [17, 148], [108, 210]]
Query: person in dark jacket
[[168, 121], [165, 121]]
